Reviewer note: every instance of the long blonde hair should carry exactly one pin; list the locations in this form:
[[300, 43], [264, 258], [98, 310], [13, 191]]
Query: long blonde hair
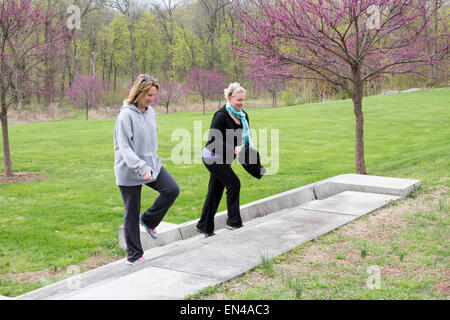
[[140, 86]]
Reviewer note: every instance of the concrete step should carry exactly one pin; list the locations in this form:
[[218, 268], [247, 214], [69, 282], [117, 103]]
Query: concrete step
[[190, 264], [351, 203], [364, 183], [174, 271], [169, 232]]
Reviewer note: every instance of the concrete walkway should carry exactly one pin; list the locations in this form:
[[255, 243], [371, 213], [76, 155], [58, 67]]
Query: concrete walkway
[[190, 262]]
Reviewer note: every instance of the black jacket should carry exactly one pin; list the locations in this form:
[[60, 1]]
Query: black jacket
[[250, 160], [224, 135]]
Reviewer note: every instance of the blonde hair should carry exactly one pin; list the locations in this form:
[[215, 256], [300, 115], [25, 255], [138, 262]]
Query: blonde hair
[[232, 89], [140, 86]]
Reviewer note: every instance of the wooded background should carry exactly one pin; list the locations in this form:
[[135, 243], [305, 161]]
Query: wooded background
[[119, 39]]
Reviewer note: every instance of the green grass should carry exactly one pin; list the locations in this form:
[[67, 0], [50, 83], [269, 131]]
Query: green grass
[[74, 213]]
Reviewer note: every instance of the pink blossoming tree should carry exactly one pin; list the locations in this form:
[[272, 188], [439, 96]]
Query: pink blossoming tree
[[85, 92], [344, 42], [169, 92], [264, 81], [209, 84], [22, 51]]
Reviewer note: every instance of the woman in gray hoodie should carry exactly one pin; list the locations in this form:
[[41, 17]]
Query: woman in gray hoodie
[[136, 162]]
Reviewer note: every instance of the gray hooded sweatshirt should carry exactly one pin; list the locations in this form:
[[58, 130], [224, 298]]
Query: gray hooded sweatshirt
[[135, 145]]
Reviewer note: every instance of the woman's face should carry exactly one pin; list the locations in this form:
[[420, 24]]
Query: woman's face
[[237, 100], [148, 97]]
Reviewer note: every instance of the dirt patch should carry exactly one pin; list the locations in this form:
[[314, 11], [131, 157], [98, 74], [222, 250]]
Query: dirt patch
[[443, 286], [48, 276], [21, 177]]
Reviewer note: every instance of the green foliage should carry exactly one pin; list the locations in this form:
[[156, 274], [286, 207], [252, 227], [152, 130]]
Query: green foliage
[[267, 265], [188, 52], [288, 97], [363, 253], [150, 50], [295, 283]]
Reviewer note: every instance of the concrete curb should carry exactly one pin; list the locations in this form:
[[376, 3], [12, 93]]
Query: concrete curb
[[169, 232], [364, 183]]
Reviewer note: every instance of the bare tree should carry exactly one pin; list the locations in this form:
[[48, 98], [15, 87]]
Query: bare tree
[[212, 10], [72, 60], [131, 9], [165, 12]]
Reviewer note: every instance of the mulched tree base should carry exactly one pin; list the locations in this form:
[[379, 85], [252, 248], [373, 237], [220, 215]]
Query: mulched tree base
[[21, 176]]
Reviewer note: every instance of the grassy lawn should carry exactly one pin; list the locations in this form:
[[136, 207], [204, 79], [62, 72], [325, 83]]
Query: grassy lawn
[[72, 216]]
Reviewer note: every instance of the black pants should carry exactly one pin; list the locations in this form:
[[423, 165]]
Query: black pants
[[168, 191], [222, 176]]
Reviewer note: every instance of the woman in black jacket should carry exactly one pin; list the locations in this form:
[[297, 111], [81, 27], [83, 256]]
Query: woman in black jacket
[[228, 132]]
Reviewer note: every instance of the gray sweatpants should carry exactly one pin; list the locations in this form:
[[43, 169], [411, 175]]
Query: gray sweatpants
[[168, 191]]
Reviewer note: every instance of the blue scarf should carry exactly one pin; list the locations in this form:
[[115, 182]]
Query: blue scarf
[[245, 128]]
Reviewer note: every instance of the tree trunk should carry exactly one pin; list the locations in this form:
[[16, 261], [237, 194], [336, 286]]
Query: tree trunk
[[63, 81], [203, 100], [133, 54], [110, 70], [76, 62], [360, 164], [49, 66], [435, 45], [6, 150], [115, 78], [92, 64], [69, 66], [19, 103]]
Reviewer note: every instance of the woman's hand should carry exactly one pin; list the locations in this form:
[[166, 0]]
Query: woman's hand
[[237, 149], [148, 175]]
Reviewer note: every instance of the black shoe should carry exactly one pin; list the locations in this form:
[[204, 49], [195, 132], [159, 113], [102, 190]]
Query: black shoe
[[233, 228], [205, 233]]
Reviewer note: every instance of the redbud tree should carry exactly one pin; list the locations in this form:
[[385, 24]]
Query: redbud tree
[[209, 84], [344, 42], [169, 92], [86, 92], [22, 52], [266, 82]]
